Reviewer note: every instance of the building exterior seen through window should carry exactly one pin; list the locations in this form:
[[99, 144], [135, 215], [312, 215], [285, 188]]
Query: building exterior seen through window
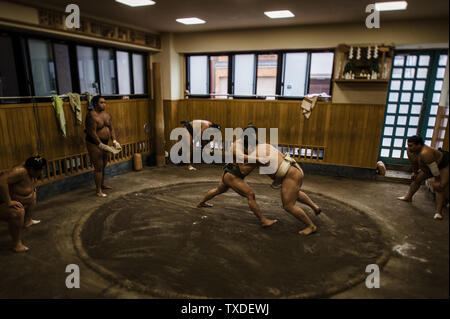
[[261, 75]]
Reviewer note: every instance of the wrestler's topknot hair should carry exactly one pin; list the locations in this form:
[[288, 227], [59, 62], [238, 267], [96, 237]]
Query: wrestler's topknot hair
[[36, 162], [416, 139]]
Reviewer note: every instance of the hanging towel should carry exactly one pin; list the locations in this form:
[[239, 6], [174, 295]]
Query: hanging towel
[[57, 103], [75, 105], [308, 105], [89, 99]]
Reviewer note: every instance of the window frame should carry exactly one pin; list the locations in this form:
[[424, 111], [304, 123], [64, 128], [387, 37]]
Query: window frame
[[24, 74], [279, 84], [145, 68], [208, 71]]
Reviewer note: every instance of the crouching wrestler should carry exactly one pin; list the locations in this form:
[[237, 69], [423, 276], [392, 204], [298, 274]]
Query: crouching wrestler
[[18, 198]]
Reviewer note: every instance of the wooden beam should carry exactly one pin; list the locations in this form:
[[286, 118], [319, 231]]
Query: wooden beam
[[159, 116]]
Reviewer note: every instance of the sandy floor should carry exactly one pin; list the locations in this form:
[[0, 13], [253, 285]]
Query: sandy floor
[[148, 235]]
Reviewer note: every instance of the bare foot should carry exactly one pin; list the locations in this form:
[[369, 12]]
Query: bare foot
[[101, 194], [20, 248], [204, 205], [268, 222], [106, 187], [308, 230], [31, 223], [405, 199], [317, 210]]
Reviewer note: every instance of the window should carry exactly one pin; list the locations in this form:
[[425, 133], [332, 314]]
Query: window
[[107, 71], [31, 66], [123, 72], [86, 70], [244, 74], [63, 70], [218, 83], [9, 85], [320, 73], [267, 74], [198, 76], [294, 79], [139, 74], [42, 67], [412, 102]]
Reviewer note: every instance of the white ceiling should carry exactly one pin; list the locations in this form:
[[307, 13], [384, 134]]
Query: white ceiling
[[242, 14]]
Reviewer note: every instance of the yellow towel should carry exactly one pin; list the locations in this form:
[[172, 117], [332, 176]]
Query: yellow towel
[[57, 103], [75, 104]]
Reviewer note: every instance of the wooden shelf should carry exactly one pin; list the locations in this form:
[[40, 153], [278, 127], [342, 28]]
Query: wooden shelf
[[361, 81]]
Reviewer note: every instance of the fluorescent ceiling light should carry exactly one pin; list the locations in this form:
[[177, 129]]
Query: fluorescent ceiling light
[[391, 6], [279, 14], [191, 21], [137, 3]]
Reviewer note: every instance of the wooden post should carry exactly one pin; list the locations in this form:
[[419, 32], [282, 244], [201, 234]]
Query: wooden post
[[159, 116]]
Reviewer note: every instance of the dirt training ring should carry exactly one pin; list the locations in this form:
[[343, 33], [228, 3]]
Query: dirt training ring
[[156, 242]]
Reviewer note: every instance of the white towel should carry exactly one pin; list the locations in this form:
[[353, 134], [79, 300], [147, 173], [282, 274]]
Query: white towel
[[308, 105]]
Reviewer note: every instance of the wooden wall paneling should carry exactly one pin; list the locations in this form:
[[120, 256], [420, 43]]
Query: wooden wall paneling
[[349, 133], [18, 132]]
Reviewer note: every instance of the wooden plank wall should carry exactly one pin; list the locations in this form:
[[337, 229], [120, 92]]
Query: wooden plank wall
[[19, 135], [350, 133]]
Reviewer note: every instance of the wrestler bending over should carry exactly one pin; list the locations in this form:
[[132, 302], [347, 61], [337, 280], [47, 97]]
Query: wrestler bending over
[[204, 125], [233, 177], [426, 163], [288, 173], [99, 131], [18, 198]]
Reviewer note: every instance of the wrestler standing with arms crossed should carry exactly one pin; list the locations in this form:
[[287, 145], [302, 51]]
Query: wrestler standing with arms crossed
[[99, 131]]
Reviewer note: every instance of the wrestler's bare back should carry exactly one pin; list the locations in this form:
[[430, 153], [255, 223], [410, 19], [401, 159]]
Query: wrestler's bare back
[[426, 155], [267, 153]]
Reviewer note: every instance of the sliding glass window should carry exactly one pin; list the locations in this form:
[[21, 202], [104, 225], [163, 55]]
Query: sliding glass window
[[63, 70], [198, 76], [139, 74], [294, 74], [42, 67], [218, 76], [107, 71], [9, 85], [320, 73], [244, 74], [123, 72], [267, 75], [86, 70]]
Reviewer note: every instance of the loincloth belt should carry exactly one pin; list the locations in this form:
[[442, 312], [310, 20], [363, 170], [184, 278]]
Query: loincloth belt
[[233, 169], [287, 162]]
